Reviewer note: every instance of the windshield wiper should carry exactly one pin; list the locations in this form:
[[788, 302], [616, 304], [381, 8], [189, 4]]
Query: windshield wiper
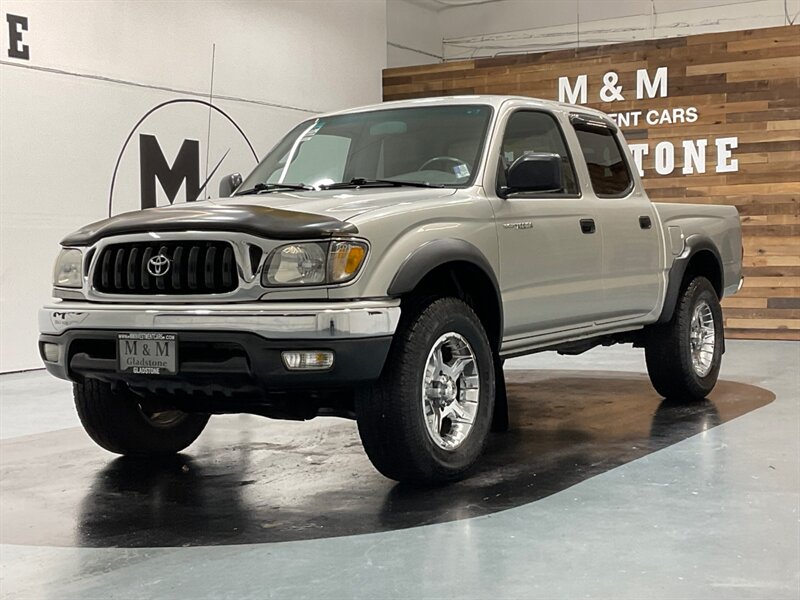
[[273, 187], [362, 181]]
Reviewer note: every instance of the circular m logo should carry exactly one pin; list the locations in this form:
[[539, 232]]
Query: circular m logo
[[170, 122]]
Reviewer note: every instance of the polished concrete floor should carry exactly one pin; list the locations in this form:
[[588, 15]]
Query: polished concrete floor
[[599, 490]]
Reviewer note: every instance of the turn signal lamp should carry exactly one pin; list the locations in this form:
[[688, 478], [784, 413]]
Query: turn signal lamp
[[345, 259]]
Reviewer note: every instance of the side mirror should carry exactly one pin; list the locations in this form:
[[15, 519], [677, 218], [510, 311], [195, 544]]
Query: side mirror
[[534, 172], [228, 184]]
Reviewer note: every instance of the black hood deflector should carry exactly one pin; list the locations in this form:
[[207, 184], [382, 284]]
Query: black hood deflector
[[256, 220]]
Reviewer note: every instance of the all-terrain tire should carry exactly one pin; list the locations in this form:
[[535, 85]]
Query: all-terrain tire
[[390, 413], [668, 347], [116, 421]]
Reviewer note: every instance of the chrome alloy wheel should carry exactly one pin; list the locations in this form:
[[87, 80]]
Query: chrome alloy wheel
[[450, 391], [702, 338]]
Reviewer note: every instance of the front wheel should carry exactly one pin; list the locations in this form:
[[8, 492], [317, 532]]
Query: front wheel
[[684, 356], [124, 423], [428, 418]]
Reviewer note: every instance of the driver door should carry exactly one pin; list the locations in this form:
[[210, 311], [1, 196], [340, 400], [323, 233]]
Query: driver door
[[550, 250]]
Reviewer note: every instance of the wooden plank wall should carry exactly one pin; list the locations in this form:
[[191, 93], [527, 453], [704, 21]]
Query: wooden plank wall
[[743, 83]]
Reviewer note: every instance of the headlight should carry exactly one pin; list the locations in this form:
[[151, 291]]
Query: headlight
[[68, 270], [312, 263], [296, 264]]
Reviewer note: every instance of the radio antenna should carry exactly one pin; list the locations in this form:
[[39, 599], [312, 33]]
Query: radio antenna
[[210, 102]]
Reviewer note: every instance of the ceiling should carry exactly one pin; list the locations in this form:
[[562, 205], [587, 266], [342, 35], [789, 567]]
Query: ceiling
[[438, 5]]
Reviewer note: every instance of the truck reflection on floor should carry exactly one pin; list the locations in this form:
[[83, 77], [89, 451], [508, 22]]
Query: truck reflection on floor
[[251, 480]]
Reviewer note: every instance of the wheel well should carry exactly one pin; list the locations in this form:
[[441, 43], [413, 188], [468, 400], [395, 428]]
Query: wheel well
[[705, 264], [470, 283]]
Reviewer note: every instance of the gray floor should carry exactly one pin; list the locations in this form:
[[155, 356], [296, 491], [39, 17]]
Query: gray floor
[[712, 516]]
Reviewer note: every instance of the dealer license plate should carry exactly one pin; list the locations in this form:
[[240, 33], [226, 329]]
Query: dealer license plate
[[145, 353]]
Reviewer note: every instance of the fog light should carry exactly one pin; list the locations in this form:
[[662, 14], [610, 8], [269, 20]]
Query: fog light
[[307, 360], [51, 352]]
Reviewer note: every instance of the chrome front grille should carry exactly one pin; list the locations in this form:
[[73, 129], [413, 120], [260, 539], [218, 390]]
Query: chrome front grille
[[166, 267]]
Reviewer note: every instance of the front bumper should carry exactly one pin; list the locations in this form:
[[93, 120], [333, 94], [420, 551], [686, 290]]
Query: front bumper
[[297, 320], [224, 348]]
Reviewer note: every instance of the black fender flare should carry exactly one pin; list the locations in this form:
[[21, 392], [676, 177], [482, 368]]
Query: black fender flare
[[436, 253], [692, 245]]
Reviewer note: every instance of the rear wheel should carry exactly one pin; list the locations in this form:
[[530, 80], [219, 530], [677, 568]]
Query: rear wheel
[[124, 423], [684, 356], [428, 418]]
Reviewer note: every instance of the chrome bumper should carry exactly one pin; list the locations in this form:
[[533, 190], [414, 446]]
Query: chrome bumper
[[297, 320]]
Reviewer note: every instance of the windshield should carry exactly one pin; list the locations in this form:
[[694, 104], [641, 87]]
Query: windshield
[[438, 145]]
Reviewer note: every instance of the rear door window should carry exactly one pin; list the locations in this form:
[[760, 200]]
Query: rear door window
[[608, 169]]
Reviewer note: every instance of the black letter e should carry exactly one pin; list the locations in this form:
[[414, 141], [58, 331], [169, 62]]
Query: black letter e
[[16, 25]]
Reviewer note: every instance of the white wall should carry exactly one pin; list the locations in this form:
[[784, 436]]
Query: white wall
[[414, 34], [515, 26], [96, 67]]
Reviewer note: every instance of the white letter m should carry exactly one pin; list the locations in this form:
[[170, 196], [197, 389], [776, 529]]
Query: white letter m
[[576, 95], [657, 86]]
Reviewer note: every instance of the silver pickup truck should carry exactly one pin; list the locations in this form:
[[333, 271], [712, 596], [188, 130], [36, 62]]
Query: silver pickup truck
[[380, 264]]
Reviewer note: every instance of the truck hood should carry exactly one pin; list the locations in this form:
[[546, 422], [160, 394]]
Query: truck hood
[[283, 216]]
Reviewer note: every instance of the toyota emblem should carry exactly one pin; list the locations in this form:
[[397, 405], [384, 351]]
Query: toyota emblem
[[158, 265]]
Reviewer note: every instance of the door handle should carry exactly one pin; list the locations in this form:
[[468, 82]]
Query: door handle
[[645, 222], [588, 226]]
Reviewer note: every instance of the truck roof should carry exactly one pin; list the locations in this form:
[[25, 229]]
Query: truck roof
[[492, 100]]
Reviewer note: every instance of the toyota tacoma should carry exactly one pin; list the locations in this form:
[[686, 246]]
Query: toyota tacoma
[[380, 264]]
